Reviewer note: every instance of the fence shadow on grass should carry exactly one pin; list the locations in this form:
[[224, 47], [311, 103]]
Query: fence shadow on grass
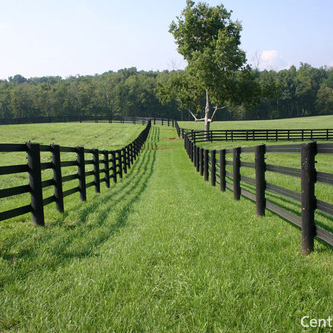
[[78, 233]]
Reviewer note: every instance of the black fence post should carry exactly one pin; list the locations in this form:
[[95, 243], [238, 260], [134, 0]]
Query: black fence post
[[124, 162], [236, 173], [206, 161], [201, 161], [35, 175], [308, 199], [96, 170], [106, 168], [120, 162], [222, 170], [114, 166], [260, 167], [197, 153], [128, 157], [81, 173], [186, 143], [213, 167], [132, 152], [57, 177]]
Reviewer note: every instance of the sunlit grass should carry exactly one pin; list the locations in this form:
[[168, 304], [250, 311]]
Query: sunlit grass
[[292, 123], [162, 251], [88, 135]]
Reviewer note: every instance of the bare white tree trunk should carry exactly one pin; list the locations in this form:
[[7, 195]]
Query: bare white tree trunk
[[207, 119]]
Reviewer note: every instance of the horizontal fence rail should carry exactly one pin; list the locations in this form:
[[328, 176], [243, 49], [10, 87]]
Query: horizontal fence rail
[[81, 119], [213, 164], [259, 135], [106, 166]]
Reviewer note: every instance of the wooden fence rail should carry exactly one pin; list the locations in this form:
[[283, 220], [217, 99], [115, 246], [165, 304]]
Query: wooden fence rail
[[82, 119], [213, 164], [106, 165], [260, 135]]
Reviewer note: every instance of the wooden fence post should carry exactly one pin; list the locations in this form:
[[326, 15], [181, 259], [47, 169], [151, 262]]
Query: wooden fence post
[[57, 177], [35, 175], [213, 167], [124, 156], [201, 161], [197, 153], [114, 166], [260, 167], [186, 140], [236, 173], [106, 168], [96, 170], [81, 173], [308, 199], [222, 170], [206, 166], [132, 153], [120, 162]]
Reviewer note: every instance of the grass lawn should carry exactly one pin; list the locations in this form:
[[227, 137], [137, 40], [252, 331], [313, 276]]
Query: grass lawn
[[292, 123], [162, 251], [89, 135], [323, 162]]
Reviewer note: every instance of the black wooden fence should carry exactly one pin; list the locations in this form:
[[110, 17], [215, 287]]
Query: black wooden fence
[[212, 163], [110, 164], [260, 134], [83, 119]]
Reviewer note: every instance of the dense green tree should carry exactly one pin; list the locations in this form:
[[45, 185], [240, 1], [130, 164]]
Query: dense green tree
[[209, 41]]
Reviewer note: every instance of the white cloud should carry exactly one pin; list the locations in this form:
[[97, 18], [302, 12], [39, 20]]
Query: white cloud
[[270, 59]]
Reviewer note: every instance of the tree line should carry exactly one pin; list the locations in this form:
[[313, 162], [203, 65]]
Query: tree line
[[306, 91]]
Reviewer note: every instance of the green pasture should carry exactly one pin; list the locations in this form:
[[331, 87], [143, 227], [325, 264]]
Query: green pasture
[[323, 164], [292, 123], [89, 135], [160, 251]]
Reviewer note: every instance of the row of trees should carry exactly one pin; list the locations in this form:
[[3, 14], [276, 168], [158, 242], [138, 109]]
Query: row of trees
[[287, 93], [217, 82], [306, 91], [113, 94]]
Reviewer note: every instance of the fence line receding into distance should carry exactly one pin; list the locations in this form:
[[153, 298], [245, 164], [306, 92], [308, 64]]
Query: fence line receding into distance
[[107, 165], [259, 135], [213, 164]]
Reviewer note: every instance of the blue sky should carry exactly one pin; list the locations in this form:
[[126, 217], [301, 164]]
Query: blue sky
[[70, 37]]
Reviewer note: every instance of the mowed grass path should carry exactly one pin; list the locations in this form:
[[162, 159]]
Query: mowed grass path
[[163, 251]]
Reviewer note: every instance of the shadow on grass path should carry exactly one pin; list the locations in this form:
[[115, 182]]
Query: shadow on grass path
[[82, 230]]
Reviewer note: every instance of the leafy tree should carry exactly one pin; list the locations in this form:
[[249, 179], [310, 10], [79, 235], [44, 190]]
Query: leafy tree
[[209, 40], [325, 99]]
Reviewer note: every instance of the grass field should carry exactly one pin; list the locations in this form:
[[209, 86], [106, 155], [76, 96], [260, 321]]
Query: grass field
[[324, 162], [89, 135], [162, 251], [292, 123]]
